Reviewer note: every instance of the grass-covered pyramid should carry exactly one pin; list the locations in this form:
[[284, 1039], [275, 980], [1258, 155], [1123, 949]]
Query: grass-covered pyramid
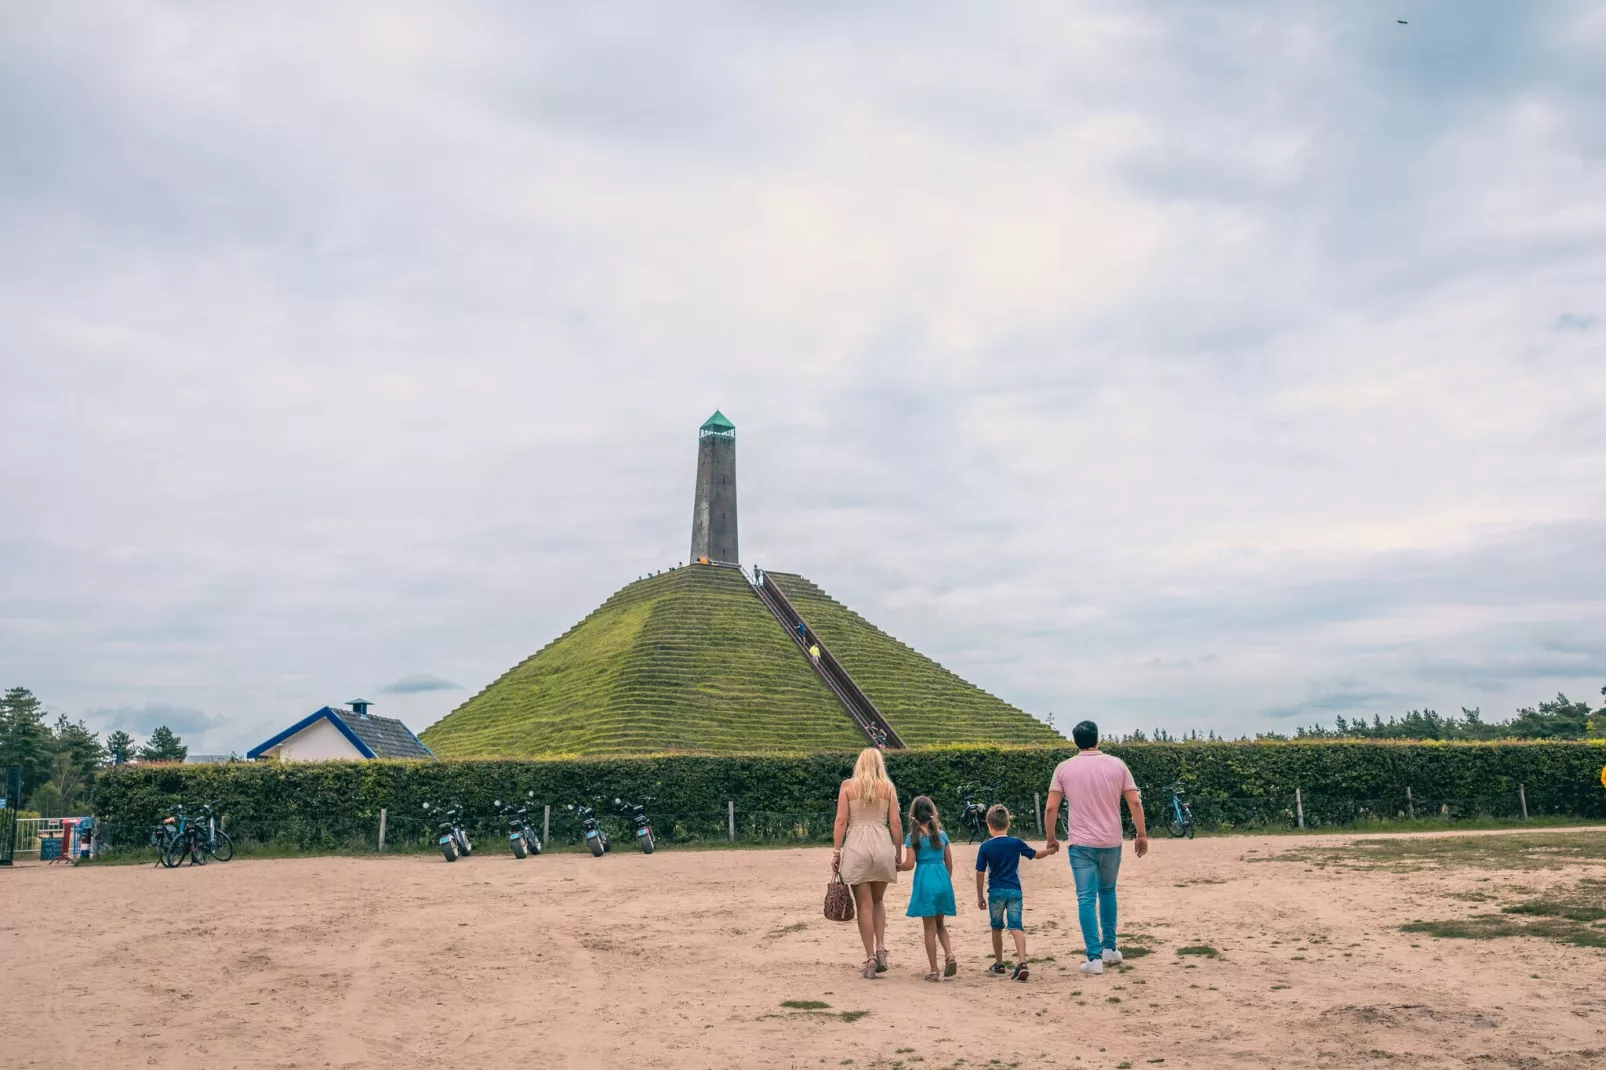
[[693, 661]]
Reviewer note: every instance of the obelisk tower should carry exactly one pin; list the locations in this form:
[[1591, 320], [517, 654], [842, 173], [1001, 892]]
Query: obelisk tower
[[713, 519]]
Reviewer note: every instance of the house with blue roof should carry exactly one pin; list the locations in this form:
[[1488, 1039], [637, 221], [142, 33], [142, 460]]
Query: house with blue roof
[[335, 733]]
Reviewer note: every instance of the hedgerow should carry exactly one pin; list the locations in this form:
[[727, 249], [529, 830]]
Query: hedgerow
[[1229, 783]]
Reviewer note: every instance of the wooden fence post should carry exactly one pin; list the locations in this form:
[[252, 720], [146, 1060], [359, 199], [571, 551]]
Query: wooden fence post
[[381, 828], [1522, 796], [1037, 805], [1299, 807], [546, 825], [730, 818], [1410, 804]]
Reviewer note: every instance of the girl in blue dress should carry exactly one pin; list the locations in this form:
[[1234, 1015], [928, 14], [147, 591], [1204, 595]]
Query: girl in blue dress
[[932, 896]]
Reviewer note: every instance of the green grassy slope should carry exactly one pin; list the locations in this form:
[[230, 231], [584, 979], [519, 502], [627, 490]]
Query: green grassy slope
[[923, 701], [687, 661]]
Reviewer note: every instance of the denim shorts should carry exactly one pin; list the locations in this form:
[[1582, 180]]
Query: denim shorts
[[1004, 902]]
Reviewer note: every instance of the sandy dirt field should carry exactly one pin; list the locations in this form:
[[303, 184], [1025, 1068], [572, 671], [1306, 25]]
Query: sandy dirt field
[[683, 959]]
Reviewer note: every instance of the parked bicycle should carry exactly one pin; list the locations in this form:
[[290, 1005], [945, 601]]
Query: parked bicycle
[[183, 840], [1179, 815], [973, 818]]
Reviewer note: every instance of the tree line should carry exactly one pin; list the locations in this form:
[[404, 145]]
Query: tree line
[[59, 760], [1560, 718]]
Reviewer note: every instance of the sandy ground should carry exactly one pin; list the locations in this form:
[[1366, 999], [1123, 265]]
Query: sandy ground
[[682, 959]]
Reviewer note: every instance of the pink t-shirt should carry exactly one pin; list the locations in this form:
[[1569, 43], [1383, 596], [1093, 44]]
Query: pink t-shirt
[[1092, 784]]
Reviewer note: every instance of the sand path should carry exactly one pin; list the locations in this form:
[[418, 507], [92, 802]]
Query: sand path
[[683, 959]]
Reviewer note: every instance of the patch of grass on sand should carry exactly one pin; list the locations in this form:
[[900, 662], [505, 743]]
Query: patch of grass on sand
[[1532, 850], [813, 1008], [1566, 917], [1202, 950]]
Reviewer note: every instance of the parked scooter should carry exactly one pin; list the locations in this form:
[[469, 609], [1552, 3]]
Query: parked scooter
[[520, 836], [450, 834], [596, 839], [637, 816]]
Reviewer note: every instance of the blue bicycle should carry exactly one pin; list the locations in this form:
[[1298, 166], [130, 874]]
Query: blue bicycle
[[1179, 815]]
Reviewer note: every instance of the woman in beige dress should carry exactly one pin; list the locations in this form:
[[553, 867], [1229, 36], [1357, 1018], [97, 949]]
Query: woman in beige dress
[[868, 840]]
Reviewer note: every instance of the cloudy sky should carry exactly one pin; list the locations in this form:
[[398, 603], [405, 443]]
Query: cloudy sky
[[1186, 365]]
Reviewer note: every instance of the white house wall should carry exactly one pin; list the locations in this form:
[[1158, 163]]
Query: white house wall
[[319, 741]]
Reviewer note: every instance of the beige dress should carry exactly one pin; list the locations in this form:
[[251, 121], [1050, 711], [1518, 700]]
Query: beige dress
[[867, 853]]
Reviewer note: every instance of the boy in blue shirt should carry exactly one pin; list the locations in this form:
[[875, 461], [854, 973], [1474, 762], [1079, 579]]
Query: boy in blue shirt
[[999, 858]]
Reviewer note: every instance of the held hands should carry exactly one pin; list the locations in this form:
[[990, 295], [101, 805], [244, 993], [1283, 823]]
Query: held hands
[[1050, 846]]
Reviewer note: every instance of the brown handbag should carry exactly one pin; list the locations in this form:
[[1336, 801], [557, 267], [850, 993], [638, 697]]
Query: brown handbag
[[838, 897]]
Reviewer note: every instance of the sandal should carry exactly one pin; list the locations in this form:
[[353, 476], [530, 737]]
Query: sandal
[[998, 969], [934, 976], [951, 968], [869, 968], [880, 960]]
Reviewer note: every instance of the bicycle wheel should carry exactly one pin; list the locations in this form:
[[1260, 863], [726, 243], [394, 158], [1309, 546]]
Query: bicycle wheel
[[222, 848], [174, 852], [1176, 828], [197, 852]]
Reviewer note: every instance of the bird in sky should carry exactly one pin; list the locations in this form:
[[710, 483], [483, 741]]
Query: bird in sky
[[1402, 22]]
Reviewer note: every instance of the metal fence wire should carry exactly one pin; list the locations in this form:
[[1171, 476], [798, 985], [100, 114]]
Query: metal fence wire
[[358, 831]]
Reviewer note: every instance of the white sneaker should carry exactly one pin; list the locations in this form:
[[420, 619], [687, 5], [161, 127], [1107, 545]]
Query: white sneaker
[[1092, 967], [1112, 957]]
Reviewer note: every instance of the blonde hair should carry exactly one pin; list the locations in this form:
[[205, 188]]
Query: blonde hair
[[870, 780]]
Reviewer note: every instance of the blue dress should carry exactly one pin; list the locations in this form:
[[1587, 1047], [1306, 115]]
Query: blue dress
[[932, 893]]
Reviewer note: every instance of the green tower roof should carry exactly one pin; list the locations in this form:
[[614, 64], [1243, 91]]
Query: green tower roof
[[717, 422]]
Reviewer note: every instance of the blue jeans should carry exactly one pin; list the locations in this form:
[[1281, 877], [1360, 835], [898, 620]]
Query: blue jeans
[[1094, 869], [1003, 907]]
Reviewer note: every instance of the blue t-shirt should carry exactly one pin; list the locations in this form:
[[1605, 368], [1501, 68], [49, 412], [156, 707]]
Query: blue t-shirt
[[1002, 855]]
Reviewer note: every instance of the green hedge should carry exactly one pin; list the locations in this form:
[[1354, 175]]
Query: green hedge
[[1230, 784]]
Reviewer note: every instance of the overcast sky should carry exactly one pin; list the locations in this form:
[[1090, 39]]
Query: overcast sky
[[1191, 365]]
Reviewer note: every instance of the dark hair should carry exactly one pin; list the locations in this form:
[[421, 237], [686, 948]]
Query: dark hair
[[923, 819], [1085, 735], [998, 817]]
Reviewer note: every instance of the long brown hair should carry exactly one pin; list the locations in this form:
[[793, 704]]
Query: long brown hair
[[923, 819]]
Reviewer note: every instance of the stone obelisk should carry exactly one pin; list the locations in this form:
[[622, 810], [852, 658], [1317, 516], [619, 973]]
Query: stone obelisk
[[713, 520]]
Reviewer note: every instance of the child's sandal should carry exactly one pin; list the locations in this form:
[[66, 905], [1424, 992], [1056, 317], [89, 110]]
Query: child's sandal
[[951, 968], [934, 976]]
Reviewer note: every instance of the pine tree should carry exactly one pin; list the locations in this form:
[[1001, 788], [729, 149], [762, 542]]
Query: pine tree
[[163, 746], [120, 746], [24, 739]]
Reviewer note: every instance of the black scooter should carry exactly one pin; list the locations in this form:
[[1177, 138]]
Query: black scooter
[[596, 839], [637, 816], [520, 836], [451, 836], [973, 818]]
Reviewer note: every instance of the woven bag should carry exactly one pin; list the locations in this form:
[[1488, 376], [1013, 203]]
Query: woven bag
[[838, 898]]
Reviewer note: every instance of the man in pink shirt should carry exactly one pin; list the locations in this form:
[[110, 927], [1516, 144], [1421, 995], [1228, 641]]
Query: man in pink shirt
[[1094, 784]]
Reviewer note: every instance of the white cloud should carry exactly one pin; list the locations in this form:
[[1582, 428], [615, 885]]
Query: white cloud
[[1072, 344]]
